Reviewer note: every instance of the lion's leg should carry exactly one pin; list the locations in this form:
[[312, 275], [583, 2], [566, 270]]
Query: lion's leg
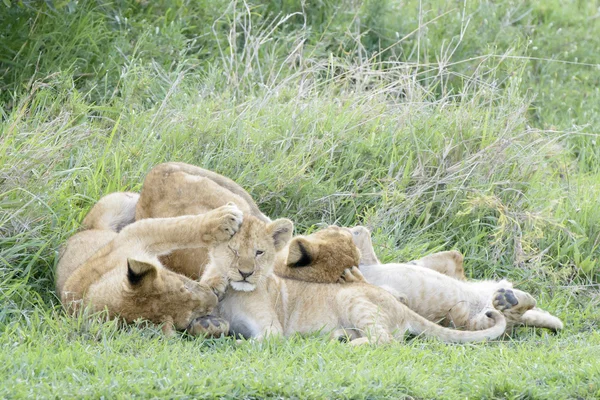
[[263, 318], [460, 316], [142, 241], [402, 298], [449, 263], [361, 237], [360, 341], [343, 335], [157, 236], [269, 331], [168, 327], [215, 278], [353, 275], [112, 212], [369, 321], [542, 319], [227, 184], [513, 303], [178, 183]]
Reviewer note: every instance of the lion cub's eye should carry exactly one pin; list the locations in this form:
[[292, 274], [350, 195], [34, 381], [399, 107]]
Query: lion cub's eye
[[259, 253]]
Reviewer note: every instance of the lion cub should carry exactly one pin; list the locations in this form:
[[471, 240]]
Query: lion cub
[[104, 267], [434, 287], [286, 306], [255, 301]]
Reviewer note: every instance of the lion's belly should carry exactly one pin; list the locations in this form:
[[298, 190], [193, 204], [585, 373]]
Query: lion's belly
[[426, 292], [243, 326]]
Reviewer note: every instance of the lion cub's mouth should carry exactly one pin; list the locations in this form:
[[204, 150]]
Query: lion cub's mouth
[[242, 286]]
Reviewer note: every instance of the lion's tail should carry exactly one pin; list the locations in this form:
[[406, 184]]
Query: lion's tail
[[112, 212], [419, 325]]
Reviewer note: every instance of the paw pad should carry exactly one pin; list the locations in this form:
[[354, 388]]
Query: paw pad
[[504, 299], [208, 325]]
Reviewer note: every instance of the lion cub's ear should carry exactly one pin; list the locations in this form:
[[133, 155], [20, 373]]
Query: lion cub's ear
[[281, 230], [301, 252], [138, 270]]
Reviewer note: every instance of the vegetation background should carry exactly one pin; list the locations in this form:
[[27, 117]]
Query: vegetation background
[[440, 124]]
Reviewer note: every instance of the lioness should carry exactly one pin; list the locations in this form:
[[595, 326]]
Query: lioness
[[120, 272], [424, 287]]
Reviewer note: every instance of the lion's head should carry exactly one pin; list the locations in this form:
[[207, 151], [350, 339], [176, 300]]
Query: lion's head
[[250, 253], [161, 296], [321, 257]]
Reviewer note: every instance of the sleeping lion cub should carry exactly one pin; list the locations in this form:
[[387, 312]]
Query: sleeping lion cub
[[106, 267], [434, 287]]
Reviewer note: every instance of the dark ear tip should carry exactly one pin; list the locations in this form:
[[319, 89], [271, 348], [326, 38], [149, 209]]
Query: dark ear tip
[[305, 258], [133, 277]]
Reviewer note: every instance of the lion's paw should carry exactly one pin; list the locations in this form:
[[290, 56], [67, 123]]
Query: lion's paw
[[351, 275], [218, 284], [504, 299], [223, 223], [209, 326]]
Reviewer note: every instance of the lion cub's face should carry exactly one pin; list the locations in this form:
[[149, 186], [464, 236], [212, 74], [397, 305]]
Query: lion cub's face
[[162, 296], [320, 257], [250, 253]]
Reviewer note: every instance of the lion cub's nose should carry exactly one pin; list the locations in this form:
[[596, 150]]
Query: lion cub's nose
[[245, 274]]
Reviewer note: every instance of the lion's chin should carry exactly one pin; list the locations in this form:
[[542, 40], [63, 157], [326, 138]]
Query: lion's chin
[[243, 286]]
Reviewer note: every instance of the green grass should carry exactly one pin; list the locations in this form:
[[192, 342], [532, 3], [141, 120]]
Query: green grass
[[476, 132]]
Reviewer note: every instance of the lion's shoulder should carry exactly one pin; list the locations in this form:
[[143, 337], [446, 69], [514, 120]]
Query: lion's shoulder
[[173, 189]]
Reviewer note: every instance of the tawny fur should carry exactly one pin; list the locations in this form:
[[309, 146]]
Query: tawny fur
[[257, 302], [449, 263], [174, 189], [120, 272], [279, 306], [340, 254], [434, 287], [248, 258]]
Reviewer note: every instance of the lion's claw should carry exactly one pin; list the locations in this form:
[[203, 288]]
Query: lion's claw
[[351, 275], [208, 325], [224, 222]]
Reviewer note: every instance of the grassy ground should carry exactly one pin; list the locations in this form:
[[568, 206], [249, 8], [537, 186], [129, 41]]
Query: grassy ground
[[438, 124]]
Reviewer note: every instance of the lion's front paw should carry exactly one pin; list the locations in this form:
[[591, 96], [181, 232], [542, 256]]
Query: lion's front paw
[[504, 299], [222, 223], [218, 284], [208, 325], [351, 275]]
